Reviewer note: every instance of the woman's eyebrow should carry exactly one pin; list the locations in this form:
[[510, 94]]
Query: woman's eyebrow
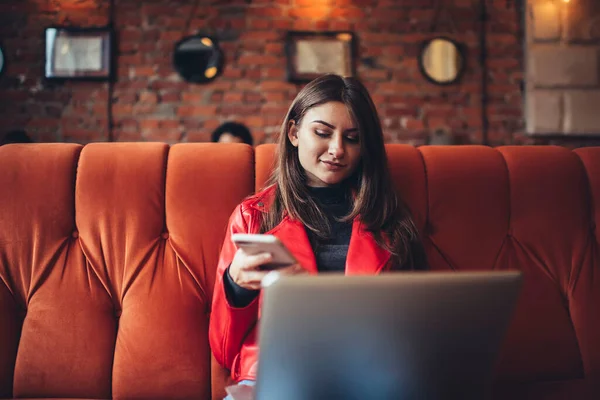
[[333, 127]]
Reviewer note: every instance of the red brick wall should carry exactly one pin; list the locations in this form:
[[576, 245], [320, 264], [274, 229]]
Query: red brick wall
[[151, 103]]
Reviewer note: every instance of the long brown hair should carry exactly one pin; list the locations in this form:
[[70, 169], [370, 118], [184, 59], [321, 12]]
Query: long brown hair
[[375, 202]]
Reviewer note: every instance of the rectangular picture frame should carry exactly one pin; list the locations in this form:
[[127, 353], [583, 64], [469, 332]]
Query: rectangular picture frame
[[311, 54], [79, 53]]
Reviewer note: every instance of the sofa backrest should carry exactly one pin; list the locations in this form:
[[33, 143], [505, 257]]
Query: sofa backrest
[[108, 254], [107, 262], [535, 209]]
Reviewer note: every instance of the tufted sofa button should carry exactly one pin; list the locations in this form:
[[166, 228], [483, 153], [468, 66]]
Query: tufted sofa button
[[75, 234], [165, 235]]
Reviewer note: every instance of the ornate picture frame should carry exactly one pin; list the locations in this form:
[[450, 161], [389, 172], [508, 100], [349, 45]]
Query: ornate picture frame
[[311, 54], [79, 53]]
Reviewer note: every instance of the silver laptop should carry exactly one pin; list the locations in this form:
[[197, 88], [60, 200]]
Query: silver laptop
[[424, 335]]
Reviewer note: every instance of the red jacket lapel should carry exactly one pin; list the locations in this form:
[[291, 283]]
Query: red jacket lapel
[[365, 256], [293, 235]]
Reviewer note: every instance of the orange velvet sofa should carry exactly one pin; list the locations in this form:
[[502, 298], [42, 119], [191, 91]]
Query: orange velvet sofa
[[108, 256]]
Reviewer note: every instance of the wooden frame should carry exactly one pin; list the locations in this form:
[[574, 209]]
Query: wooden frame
[[78, 53], [311, 54]]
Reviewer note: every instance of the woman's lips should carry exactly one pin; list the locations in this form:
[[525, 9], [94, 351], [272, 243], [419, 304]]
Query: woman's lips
[[333, 166]]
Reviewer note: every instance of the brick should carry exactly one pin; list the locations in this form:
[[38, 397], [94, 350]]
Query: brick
[[272, 97], [276, 85], [198, 135], [254, 122], [236, 23], [233, 73], [126, 136], [581, 112], [144, 71], [259, 24], [243, 110], [170, 97], [283, 24], [193, 111], [127, 47], [187, 97], [147, 124], [170, 36], [130, 20], [261, 35], [169, 124], [219, 85], [312, 3], [401, 88], [130, 35], [147, 97], [216, 97], [266, 11], [124, 110], [275, 109], [310, 12], [347, 13], [169, 85], [443, 111], [274, 49], [303, 25], [253, 98], [127, 124], [401, 112], [144, 109], [274, 73], [232, 97], [81, 135], [411, 123], [560, 65], [162, 135], [211, 124], [258, 59], [340, 26], [128, 60], [323, 25]]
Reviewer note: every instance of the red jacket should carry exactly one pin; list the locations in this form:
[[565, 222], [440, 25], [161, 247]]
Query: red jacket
[[232, 332]]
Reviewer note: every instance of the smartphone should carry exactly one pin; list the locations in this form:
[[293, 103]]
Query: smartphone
[[260, 243]]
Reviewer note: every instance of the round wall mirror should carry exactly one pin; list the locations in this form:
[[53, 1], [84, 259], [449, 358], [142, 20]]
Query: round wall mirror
[[441, 60], [1, 60], [198, 59]]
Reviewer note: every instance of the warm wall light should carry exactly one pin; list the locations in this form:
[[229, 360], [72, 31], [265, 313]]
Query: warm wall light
[[210, 72], [345, 37], [206, 41]]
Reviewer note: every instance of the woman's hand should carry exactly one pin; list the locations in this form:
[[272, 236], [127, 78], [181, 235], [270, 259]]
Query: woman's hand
[[245, 269]]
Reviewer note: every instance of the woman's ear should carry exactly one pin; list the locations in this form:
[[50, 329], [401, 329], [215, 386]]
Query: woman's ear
[[293, 133]]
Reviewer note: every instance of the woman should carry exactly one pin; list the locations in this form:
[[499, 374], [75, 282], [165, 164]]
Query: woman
[[330, 200]]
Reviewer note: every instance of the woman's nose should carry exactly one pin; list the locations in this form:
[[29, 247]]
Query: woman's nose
[[336, 147]]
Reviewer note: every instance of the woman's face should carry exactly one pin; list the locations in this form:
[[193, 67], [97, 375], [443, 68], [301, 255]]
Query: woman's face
[[328, 144]]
